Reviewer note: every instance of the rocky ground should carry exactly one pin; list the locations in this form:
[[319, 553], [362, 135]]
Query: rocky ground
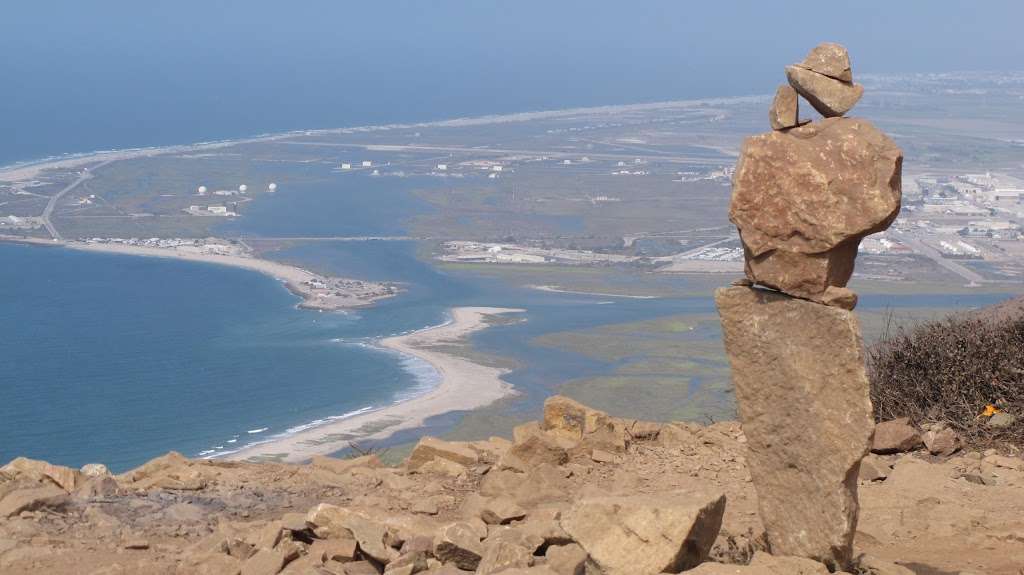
[[579, 492]]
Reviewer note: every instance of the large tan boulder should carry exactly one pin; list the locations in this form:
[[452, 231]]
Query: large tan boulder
[[459, 545], [506, 549], [568, 419], [803, 198], [431, 448], [340, 522], [765, 564], [268, 561], [41, 496], [803, 398], [67, 478], [535, 451], [566, 559], [895, 436], [344, 466], [664, 533]]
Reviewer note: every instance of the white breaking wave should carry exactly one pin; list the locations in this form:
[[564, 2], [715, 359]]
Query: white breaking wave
[[319, 422]]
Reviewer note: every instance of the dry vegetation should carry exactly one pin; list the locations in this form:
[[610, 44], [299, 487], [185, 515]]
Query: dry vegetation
[[949, 371]]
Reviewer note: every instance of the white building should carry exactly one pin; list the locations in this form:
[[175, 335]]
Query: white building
[[442, 167], [367, 164], [346, 166]]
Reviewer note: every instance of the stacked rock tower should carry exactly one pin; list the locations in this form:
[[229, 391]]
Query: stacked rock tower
[[804, 195]]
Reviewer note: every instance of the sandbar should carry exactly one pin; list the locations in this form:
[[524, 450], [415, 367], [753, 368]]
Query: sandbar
[[464, 385]]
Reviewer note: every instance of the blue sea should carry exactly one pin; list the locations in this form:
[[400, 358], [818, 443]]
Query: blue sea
[[117, 358]]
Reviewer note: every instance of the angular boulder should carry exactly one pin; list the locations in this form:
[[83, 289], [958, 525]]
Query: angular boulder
[[941, 440], [829, 59], [785, 110], [566, 559], [895, 436], [830, 97], [535, 451], [803, 198], [42, 496], [65, 477], [570, 420], [430, 448], [666, 533], [503, 553], [339, 522], [459, 545], [764, 564], [803, 397]]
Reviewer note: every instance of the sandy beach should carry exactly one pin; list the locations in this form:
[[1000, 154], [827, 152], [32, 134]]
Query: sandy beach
[[337, 293], [464, 385]]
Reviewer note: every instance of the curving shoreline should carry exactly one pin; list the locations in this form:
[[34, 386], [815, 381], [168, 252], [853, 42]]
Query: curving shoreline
[[464, 385]]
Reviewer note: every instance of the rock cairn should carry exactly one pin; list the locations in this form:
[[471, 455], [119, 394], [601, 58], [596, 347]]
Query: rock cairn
[[803, 197]]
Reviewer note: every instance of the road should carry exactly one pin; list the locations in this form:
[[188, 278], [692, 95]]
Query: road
[[50, 205], [329, 238], [926, 250], [483, 151]]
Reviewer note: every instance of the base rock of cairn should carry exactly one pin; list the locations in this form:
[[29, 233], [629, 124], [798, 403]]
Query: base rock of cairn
[[802, 390]]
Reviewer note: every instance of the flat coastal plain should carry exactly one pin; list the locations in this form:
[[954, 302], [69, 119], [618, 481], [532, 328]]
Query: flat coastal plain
[[464, 385]]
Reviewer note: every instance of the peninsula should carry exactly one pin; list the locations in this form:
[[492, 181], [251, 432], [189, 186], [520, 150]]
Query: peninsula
[[318, 292]]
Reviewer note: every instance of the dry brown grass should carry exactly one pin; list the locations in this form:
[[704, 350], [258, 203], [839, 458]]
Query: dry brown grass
[[948, 371]]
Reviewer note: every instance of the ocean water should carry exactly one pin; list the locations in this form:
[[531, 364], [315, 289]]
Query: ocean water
[[118, 358]]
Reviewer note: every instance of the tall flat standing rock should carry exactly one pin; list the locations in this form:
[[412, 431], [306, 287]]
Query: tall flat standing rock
[[802, 390], [803, 198]]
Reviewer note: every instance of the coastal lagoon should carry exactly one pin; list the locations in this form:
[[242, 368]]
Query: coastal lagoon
[[119, 358]]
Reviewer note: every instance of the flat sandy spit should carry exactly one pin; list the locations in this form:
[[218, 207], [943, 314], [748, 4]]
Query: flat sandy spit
[[341, 294], [464, 385], [283, 272]]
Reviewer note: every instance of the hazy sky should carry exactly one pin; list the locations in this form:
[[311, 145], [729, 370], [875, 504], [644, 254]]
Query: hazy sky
[[81, 75]]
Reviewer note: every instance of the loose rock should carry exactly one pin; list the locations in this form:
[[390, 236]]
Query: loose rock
[[942, 441], [644, 534], [566, 559], [430, 448], [460, 545], [1002, 420], [895, 436]]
